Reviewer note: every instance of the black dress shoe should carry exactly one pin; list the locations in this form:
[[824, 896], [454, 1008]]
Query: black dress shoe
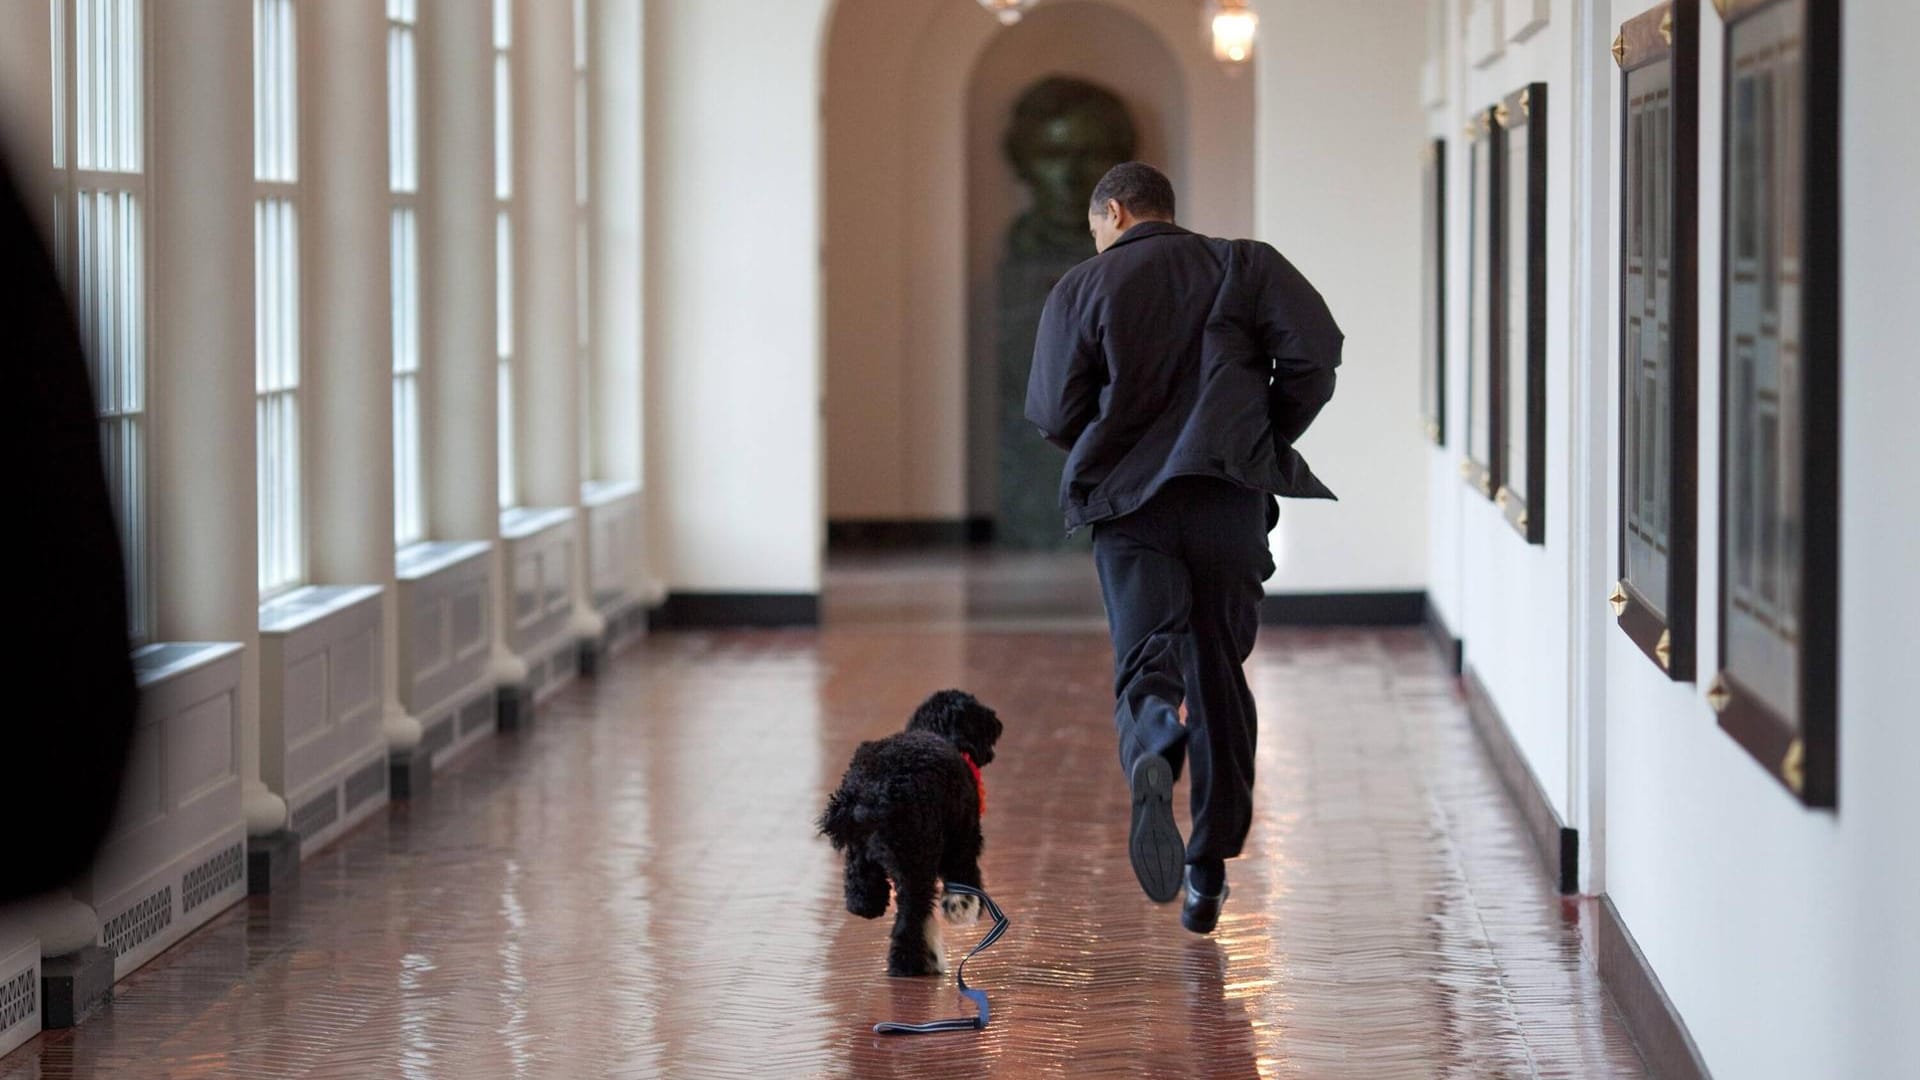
[[1153, 840], [1198, 912]]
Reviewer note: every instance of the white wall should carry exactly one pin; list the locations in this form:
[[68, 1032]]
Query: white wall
[[1338, 192], [733, 293], [1785, 936]]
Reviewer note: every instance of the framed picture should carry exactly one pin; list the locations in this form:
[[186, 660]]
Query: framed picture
[[1433, 294], [1659, 57], [1777, 690], [1483, 304], [1520, 280]]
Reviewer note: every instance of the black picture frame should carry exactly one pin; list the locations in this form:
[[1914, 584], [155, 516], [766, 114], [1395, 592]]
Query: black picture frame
[[1520, 367], [1657, 528], [1480, 464], [1433, 293], [1777, 693]]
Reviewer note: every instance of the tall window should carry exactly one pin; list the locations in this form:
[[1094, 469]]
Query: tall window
[[276, 293], [99, 134], [582, 227], [403, 180], [503, 237]]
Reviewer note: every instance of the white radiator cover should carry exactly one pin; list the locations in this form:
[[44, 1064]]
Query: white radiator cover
[[322, 748], [540, 545], [20, 1007], [445, 638], [175, 855]]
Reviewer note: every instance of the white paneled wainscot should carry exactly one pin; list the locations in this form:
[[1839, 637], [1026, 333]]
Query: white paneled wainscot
[[540, 566], [615, 535], [446, 635], [175, 855], [322, 748], [19, 986]]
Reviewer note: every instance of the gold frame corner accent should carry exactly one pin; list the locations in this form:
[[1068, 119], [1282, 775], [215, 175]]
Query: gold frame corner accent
[[1793, 767], [1620, 50], [1503, 115], [1663, 651], [1718, 695], [1666, 26], [1618, 598]]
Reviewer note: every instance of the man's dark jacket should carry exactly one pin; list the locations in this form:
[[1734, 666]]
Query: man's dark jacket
[[1174, 354]]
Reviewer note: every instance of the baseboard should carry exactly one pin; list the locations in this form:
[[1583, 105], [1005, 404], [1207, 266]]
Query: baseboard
[[1451, 647], [1558, 845], [1655, 1024], [889, 535], [715, 611], [1344, 609]]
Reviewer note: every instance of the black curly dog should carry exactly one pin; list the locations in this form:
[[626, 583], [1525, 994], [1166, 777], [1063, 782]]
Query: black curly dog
[[908, 810]]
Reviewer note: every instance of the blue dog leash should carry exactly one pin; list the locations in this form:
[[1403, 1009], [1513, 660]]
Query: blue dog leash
[[959, 1023]]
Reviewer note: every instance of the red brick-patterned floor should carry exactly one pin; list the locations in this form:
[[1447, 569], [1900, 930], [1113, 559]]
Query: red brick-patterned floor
[[633, 887]]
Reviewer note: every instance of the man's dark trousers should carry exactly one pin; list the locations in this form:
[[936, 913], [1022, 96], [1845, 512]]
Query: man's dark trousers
[[1182, 579]]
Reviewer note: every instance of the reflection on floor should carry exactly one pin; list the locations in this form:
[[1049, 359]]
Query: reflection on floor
[[633, 887]]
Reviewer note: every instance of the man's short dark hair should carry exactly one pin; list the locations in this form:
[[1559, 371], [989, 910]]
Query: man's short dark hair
[[1144, 190]]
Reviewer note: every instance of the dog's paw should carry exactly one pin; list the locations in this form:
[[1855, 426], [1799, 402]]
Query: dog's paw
[[960, 909], [902, 963]]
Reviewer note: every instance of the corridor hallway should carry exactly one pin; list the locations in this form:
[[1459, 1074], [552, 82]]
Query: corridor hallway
[[632, 887]]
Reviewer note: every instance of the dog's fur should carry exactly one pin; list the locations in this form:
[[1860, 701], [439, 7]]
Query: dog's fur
[[908, 811]]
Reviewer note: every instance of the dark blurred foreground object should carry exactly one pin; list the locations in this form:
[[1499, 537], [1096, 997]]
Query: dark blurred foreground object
[[65, 756]]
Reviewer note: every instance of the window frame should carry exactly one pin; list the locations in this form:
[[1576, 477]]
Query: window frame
[[277, 574], [408, 357], [130, 486]]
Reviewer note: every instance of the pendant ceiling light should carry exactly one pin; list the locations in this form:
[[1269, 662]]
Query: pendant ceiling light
[[1233, 25], [1007, 11]]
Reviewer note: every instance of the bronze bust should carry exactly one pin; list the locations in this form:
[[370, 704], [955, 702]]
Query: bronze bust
[[1065, 135]]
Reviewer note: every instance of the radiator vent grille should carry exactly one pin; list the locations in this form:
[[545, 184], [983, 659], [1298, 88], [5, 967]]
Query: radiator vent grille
[[369, 781], [438, 736], [131, 928], [320, 812], [211, 878], [19, 998]]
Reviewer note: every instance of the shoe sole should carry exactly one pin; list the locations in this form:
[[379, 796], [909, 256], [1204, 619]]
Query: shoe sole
[[1158, 853]]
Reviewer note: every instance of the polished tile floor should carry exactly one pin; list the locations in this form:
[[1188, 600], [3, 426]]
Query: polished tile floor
[[633, 888]]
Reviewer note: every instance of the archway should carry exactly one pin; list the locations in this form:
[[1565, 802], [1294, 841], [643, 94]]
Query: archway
[[916, 198]]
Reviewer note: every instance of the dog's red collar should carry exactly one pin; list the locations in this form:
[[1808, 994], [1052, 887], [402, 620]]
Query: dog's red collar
[[979, 783]]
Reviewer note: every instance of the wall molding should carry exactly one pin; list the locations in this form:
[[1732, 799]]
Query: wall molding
[[1451, 648], [1656, 1026], [721, 611], [1558, 845], [1344, 609], [909, 534]]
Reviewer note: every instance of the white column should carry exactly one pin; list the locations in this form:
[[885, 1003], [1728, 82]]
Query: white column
[[547, 420], [201, 359], [26, 103], [349, 316], [547, 390], [617, 60], [460, 403]]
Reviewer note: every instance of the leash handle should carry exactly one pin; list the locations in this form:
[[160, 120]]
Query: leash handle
[[979, 997]]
